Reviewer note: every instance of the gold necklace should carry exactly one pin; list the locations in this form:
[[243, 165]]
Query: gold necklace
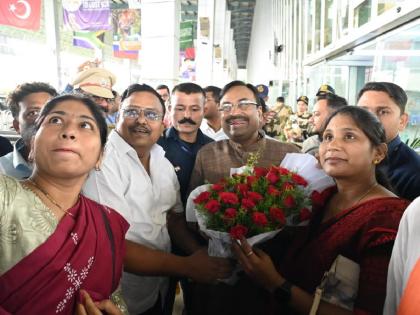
[[51, 199], [366, 193]]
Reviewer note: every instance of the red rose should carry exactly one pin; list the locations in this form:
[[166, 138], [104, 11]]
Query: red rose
[[299, 180], [251, 179], [283, 171], [272, 177], [273, 191], [247, 203], [260, 171], [259, 219], [277, 215], [289, 201], [242, 188], [287, 186], [230, 213], [217, 187], [255, 196], [212, 206], [305, 214], [238, 231], [229, 197], [202, 198]]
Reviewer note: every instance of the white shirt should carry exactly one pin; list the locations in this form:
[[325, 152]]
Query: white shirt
[[124, 185], [405, 254], [209, 131], [14, 165]]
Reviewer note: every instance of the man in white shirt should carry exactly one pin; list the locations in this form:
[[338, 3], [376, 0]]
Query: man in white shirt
[[139, 182], [211, 125], [25, 103]]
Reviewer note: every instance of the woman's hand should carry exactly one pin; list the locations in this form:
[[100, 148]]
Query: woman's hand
[[257, 264], [96, 308]]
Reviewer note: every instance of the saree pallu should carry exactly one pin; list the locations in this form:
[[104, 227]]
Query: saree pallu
[[364, 233], [85, 251]]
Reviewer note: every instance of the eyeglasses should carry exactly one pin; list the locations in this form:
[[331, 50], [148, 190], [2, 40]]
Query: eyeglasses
[[134, 113], [99, 99], [241, 105]]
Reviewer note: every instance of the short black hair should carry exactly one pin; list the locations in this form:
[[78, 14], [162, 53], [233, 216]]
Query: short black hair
[[143, 88], [334, 101], [163, 86], [215, 91], [280, 99], [88, 102], [189, 88], [23, 90], [233, 84], [394, 91]]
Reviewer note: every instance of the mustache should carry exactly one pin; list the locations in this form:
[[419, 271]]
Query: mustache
[[236, 117], [139, 126], [187, 120]]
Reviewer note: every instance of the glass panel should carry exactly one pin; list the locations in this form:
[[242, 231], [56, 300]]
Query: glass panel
[[362, 13], [309, 28], [397, 59], [343, 18], [317, 24], [399, 62], [385, 5], [328, 22]]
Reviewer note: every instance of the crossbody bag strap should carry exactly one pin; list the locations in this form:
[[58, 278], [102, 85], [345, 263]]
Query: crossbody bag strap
[[111, 241]]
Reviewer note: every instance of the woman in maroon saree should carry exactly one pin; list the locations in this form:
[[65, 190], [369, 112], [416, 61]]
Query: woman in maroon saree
[[358, 219], [85, 248]]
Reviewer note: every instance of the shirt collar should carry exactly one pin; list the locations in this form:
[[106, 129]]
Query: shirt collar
[[119, 142], [394, 143], [18, 158]]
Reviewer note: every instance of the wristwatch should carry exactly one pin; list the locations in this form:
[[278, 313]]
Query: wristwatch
[[283, 293]]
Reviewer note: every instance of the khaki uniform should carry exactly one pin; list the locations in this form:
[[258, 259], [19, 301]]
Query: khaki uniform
[[296, 128], [275, 125]]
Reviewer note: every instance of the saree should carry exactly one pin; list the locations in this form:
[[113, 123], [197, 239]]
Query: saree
[[364, 233], [85, 251]]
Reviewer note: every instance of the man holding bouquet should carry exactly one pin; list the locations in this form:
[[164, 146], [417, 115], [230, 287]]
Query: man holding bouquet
[[242, 120]]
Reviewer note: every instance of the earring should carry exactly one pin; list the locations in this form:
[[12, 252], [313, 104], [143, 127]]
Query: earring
[[97, 168], [377, 161]]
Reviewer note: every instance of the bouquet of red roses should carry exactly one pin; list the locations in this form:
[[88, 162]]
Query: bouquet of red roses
[[255, 202]]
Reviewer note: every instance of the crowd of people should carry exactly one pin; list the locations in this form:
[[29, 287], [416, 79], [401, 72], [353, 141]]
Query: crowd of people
[[93, 198]]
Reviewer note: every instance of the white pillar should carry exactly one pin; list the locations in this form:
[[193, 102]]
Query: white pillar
[[52, 32], [227, 46], [218, 42], [160, 42], [204, 52]]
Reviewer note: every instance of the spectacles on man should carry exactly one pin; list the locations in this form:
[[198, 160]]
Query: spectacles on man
[[99, 99], [134, 113], [241, 105]]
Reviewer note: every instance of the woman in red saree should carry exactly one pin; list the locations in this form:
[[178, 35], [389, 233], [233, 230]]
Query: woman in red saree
[[358, 219], [54, 242]]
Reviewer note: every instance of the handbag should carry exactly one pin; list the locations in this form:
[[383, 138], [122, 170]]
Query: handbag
[[339, 285]]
